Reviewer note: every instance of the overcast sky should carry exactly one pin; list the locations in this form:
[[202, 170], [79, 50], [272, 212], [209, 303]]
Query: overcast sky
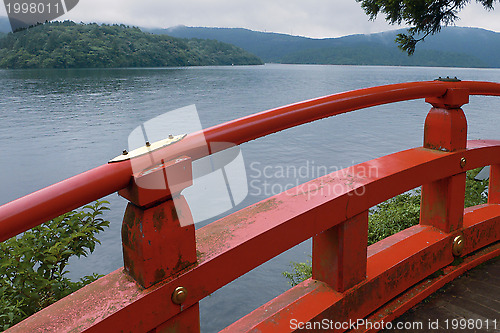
[[312, 18]]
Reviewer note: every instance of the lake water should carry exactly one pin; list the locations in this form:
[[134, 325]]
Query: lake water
[[58, 123]]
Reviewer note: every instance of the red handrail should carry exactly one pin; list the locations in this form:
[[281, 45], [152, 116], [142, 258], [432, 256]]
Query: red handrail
[[32, 210]]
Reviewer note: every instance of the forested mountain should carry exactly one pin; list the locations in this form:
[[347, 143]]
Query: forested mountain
[[71, 45], [453, 46], [376, 54]]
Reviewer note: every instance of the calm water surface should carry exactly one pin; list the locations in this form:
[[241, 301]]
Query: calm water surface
[[58, 123]]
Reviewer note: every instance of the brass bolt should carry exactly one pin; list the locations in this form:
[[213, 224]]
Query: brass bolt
[[463, 162], [179, 295], [170, 136], [125, 152], [148, 144], [458, 245]]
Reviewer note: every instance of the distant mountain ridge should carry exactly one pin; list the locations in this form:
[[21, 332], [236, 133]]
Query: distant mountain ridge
[[453, 46]]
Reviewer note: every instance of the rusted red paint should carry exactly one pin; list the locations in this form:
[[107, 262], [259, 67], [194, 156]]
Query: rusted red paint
[[442, 203], [339, 253], [86, 306], [445, 129], [155, 245], [420, 291], [394, 264], [480, 237]]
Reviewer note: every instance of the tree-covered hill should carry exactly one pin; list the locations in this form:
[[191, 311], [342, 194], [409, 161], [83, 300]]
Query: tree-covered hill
[[71, 45], [454, 46], [376, 54]]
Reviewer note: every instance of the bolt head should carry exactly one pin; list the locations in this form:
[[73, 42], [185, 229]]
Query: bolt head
[[463, 162], [458, 245], [179, 295], [125, 152]]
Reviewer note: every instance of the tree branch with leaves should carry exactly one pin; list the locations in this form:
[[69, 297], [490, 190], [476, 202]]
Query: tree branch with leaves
[[425, 17]]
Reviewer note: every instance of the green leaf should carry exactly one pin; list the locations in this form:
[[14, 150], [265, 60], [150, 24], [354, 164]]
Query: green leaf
[[32, 266]]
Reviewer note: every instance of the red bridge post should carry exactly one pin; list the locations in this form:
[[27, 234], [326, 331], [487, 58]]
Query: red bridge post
[[339, 256], [494, 185], [442, 203], [158, 234]]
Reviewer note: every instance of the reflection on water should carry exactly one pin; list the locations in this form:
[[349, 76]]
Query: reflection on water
[[57, 123]]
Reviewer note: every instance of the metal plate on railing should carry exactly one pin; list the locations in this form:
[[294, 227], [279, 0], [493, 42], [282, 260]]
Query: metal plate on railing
[[148, 148]]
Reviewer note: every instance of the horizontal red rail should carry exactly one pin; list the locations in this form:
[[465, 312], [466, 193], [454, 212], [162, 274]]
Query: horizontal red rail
[[38, 207]]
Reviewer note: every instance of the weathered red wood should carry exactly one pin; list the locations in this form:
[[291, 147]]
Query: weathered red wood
[[252, 236], [429, 285], [155, 245], [394, 264], [32, 210], [159, 182], [339, 253], [442, 203], [445, 129], [494, 184], [188, 321], [490, 216]]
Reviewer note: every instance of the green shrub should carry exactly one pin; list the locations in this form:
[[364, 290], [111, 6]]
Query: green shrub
[[300, 271], [395, 215], [33, 265]]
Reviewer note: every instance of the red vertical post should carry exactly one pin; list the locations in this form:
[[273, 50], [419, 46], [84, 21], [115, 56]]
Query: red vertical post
[[158, 234], [340, 253], [442, 203], [494, 185]]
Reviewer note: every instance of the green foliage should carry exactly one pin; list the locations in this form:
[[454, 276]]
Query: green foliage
[[33, 265], [426, 17], [70, 45], [395, 215], [475, 190], [300, 271], [381, 55]]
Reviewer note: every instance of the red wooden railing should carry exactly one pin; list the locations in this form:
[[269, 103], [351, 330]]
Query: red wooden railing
[[169, 268]]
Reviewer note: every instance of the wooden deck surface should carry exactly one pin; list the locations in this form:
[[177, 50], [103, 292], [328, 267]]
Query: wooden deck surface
[[472, 300]]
